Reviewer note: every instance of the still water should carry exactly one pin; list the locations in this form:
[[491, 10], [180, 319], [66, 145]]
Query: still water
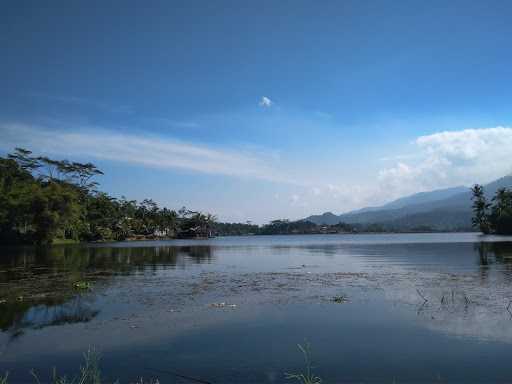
[[414, 308]]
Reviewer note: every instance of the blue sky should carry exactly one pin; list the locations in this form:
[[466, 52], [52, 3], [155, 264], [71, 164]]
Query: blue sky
[[262, 110]]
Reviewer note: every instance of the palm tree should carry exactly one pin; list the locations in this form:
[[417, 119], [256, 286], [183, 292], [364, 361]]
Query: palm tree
[[480, 208]]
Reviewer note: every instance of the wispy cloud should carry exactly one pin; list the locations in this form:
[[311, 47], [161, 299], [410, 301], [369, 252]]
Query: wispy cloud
[[152, 151], [441, 160], [265, 102], [166, 122]]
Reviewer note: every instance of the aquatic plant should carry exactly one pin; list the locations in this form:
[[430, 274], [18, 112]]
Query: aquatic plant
[[339, 299], [306, 377], [83, 285], [89, 373]]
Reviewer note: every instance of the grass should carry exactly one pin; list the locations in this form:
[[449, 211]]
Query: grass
[[306, 377], [90, 372]]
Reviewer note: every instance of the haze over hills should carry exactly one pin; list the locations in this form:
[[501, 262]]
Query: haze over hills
[[444, 209]]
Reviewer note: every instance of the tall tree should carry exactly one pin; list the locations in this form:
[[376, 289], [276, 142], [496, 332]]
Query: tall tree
[[501, 212], [480, 208]]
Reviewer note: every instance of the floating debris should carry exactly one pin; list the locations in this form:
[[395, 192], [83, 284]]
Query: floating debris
[[339, 299], [302, 266], [222, 305]]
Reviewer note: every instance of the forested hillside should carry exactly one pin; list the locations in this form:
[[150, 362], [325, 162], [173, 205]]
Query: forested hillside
[[43, 200]]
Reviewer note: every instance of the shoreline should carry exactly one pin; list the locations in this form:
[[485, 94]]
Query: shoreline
[[69, 242]]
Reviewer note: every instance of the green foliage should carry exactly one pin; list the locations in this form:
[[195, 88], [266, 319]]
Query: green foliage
[[82, 285], [495, 217], [480, 209], [56, 212], [236, 229], [43, 200], [281, 227]]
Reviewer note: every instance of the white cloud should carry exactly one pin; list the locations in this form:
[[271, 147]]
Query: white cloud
[[452, 158], [265, 102], [143, 150], [441, 160]]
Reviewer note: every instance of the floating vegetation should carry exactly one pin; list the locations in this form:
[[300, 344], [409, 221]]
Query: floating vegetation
[[223, 305], [82, 285], [339, 299]]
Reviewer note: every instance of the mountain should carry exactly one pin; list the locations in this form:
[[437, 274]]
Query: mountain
[[328, 218], [417, 198], [444, 209]]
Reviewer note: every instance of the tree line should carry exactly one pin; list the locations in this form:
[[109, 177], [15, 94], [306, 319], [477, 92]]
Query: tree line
[[493, 216], [305, 227], [42, 200]]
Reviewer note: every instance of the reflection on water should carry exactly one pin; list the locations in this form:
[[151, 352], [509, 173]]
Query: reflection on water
[[495, 253], [37, 285], [420, 306], [19, 316], [15, 261]]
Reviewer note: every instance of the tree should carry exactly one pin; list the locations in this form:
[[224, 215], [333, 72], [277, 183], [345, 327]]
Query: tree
[[495, 217], [43, 199], [17, 186], [480, 208], [24, 158], [501, 212], [56, 213]]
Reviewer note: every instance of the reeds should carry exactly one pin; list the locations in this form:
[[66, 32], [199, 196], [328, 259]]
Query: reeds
[[89, 373], [306, 377]]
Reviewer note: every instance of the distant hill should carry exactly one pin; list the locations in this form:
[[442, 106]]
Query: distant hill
[[444, 209], [417, 198], [327, 218]]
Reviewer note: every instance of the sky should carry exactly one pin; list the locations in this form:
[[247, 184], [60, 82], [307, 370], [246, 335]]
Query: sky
[[262, 110]]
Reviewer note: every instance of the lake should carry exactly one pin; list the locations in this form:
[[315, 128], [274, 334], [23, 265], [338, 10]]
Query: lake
[[410, 308]]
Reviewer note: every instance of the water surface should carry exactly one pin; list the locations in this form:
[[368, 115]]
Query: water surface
[[418, 308]]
